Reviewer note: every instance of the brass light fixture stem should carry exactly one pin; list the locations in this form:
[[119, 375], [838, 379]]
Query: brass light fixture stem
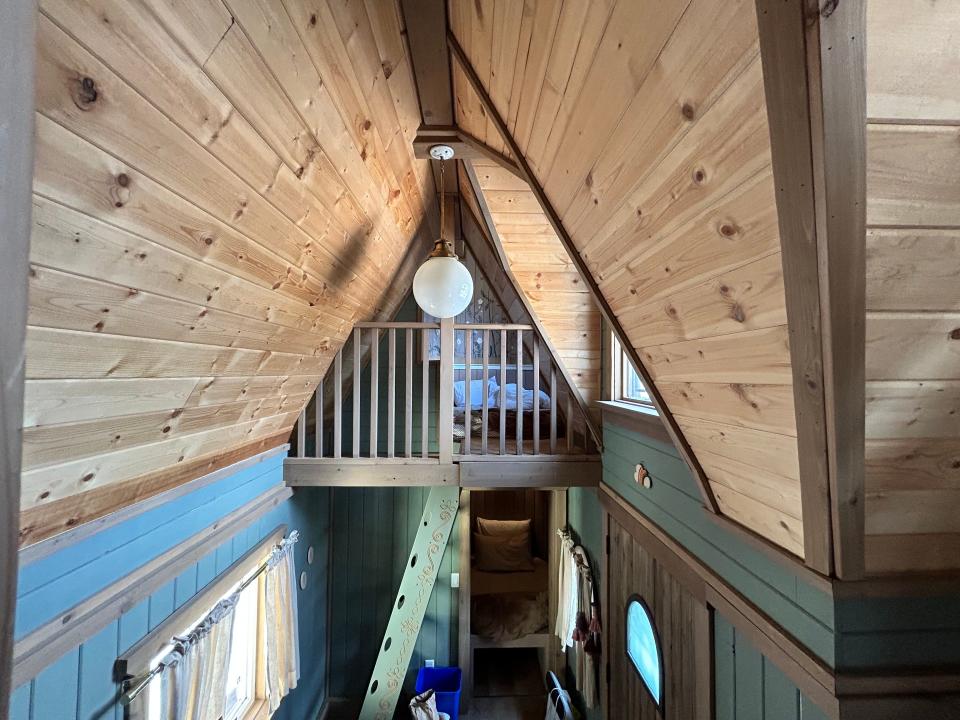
[[443, 247]]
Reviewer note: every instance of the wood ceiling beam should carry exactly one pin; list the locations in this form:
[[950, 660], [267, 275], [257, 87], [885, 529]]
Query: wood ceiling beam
[[16, 180], [550, 213], [465, 146], [427, 40], [813, 67]]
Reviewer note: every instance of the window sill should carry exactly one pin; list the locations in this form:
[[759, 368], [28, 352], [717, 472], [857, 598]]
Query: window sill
[[640, 418], [258, 711]]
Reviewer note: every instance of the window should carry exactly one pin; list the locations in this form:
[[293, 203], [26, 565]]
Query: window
[[245, 662], [643, 647], [241, 690], [627, 385]]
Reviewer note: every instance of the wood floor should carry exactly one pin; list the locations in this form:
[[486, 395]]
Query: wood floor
[[507, 685]]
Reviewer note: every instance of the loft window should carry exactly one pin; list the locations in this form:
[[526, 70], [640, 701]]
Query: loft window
[[643, 647], [627, 385]]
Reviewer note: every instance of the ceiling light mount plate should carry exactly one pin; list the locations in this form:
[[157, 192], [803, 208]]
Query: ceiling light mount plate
[[441, 152]]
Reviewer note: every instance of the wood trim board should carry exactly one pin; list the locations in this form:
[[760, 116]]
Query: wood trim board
[[49, 642], [813, 67], [17, 21], [554, 219], [32, 553]]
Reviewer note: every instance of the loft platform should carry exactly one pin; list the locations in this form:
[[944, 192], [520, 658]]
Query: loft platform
[[444, 403]]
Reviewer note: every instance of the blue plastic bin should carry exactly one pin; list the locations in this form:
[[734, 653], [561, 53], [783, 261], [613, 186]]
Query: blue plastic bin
[[445, 682]]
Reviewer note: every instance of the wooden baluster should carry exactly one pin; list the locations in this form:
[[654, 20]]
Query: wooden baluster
[[519, 392], [445, 404], [536, 394], [338, 403], [302, 433], [467, 401], [553, 408], [374, 389], [502, 393], [425, 393], [318, 420], [408, 397], [486, 392], [569, 420], [356, 393], [391, 390]]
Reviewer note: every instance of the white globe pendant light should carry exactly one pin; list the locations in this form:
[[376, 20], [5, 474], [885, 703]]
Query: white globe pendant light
[[442, 286]]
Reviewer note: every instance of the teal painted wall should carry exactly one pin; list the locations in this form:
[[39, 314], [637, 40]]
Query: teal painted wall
[[585, 521], [372, 534], [673, 503], [749, 687], [79, 686]]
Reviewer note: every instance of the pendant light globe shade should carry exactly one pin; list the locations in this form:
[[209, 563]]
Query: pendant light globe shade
[[443, 287]]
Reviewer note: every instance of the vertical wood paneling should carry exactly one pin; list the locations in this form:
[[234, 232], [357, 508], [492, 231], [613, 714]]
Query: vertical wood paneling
[[56, 689], [98, 692], [372, 535]]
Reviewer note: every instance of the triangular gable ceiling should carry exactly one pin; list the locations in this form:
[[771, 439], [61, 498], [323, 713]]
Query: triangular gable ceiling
[[222, 190], [644, 124], [541, 268]]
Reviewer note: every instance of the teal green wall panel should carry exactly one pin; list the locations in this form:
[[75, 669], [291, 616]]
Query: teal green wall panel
[[372, 533], [748, 686], [79, 685], [673, 503], [585, 521]]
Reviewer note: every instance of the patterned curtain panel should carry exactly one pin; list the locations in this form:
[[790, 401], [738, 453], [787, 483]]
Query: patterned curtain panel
[[281, 626]]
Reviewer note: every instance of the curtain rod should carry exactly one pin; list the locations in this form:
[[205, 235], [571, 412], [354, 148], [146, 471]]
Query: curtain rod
[[137, 685]]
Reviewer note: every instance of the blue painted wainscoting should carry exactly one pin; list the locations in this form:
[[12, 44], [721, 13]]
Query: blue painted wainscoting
[[79, 686]]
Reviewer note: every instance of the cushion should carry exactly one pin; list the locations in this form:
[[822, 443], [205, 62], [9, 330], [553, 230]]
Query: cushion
[[476, 393], [507, 398], [504, 528], [502, 554]]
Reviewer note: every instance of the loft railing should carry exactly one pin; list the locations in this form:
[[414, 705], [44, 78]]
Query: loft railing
[[429, 391]]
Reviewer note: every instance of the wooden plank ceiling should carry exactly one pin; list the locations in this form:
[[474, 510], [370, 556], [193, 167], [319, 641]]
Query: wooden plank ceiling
[[545, 273], [913, 291], [222, 188], [645, 124]]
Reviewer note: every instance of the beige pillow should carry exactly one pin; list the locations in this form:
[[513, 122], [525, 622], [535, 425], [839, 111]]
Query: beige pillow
[[504, 528], [502, 554]]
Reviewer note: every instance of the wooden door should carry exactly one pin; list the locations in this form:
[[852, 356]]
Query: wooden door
[[682, 623]]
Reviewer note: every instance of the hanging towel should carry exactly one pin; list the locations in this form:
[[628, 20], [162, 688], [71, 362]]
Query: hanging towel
[[568, 597], [578, 616]]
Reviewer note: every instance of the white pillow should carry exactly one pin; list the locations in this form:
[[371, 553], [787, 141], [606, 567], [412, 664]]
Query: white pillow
[[508, 396], [476, 393]]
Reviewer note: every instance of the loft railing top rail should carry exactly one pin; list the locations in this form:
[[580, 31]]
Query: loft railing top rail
[[399, 325], [490, 326]]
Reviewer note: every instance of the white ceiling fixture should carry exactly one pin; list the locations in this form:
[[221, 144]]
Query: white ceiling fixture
[[442, 286]]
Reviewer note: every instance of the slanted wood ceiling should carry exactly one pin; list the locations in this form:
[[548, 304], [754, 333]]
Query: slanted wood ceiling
[[222, 188], [913, 286], [644, 122], [545, 273]]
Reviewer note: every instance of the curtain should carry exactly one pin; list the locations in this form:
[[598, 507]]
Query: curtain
[[194, 674], [282, 637]]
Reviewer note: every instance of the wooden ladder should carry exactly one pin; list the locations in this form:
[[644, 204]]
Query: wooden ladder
[[410, 605]]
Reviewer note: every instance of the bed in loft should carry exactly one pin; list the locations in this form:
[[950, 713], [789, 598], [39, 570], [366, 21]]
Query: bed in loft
[[509, 573], [499, 400]]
